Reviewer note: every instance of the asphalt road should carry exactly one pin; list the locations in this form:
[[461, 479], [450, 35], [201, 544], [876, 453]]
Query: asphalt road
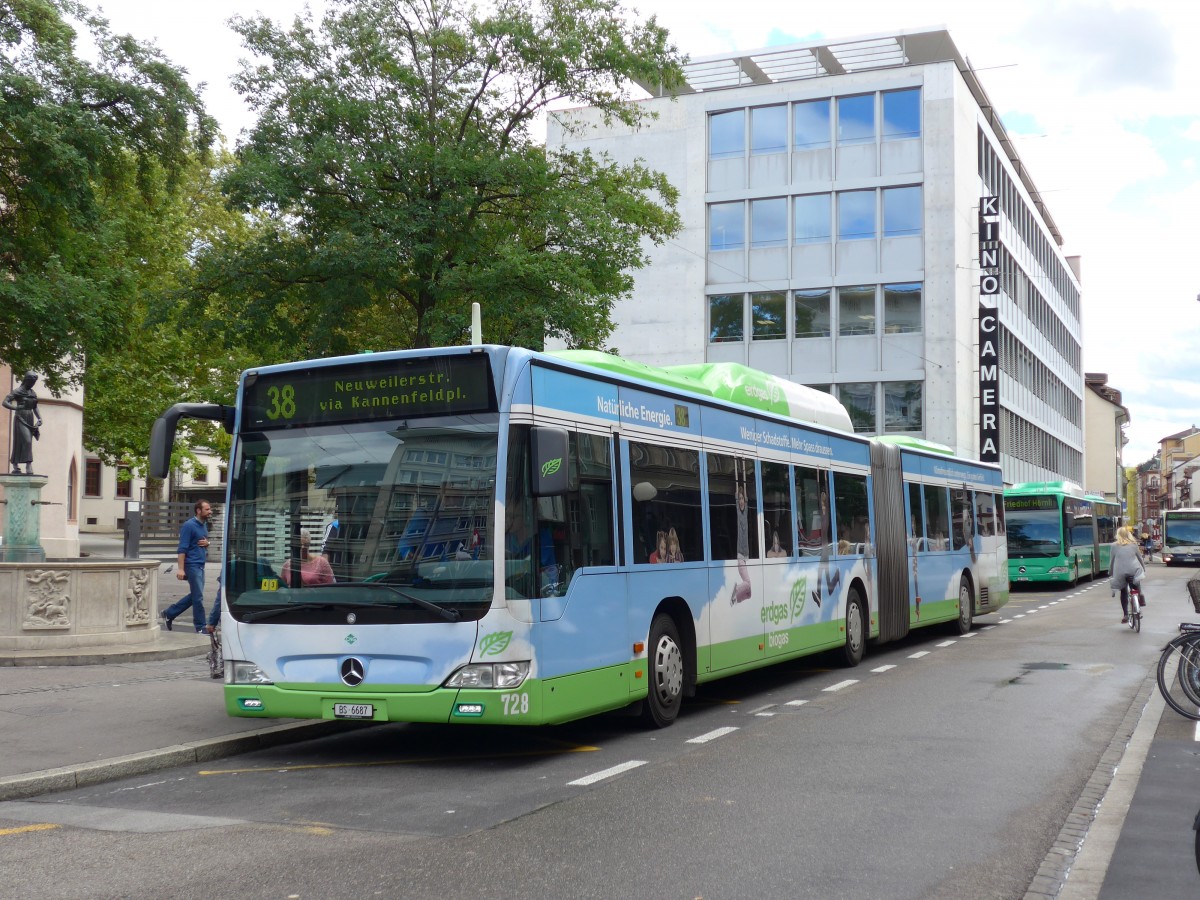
[[941, 767]]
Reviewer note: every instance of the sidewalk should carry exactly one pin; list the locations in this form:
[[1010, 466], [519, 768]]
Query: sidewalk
[[73, 718]]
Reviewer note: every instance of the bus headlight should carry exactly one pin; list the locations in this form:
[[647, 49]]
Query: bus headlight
[[240, 671], [490, 675]]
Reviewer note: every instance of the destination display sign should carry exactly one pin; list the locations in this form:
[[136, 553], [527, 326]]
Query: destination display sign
[[368, 391], [1014, 503]]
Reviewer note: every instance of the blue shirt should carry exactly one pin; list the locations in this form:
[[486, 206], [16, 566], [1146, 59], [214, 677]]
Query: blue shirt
[[189, 542]]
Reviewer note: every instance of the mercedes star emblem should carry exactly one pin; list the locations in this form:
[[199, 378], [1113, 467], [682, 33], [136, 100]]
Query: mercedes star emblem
[[353, 671]]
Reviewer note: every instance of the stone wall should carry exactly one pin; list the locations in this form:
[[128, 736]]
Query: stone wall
[[59, 604]]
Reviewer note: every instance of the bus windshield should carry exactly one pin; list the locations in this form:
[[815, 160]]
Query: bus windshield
[[1183, 530], [1034, 533], [388, 521]]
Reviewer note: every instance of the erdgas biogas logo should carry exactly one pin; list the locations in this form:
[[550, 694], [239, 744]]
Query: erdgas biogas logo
[[785, 615]]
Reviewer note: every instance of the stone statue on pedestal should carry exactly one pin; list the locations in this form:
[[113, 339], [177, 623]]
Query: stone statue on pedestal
[[26, 423]]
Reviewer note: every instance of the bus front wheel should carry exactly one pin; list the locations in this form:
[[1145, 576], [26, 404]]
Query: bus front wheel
[[856, 628], [665, 664], [966, 607]]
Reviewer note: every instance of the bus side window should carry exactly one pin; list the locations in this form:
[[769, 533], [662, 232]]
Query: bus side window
[[589, 503], [812, 509], [937, 517], [777, 508], [851, 512], [665, 489], [732, 507], [916, 518]]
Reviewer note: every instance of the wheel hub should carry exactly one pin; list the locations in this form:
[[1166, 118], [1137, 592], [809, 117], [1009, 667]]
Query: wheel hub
[[668, 669]]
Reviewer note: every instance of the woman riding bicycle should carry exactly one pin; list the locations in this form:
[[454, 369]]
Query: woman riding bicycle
[[1126, 568]]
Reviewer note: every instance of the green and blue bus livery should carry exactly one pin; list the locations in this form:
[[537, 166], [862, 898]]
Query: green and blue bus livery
[[530, 538]]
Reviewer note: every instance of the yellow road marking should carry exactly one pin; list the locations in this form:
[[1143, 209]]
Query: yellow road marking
[[25, 828], [578, 748]]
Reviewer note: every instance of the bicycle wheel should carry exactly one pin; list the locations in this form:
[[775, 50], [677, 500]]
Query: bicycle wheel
[[1179, 675], [1135, 622]]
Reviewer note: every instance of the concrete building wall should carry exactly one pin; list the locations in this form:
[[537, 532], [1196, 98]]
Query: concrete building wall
[[667, 319]]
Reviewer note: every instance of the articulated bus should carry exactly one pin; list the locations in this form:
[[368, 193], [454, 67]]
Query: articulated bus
[[1181, 536], [530, 538], [1056, 533]]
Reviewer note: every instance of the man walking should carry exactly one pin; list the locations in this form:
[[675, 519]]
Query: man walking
[[193, 554]]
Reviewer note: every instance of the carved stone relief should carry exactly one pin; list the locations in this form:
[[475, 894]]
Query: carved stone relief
[[48, 604], [137, 604]]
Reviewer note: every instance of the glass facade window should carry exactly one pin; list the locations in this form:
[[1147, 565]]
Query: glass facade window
[[812, 218], [124, 481], [902, 406], [768, 316], [902, 211], [856, 216], [812, 313], [901, 114], [768, 130], [902, 308], [811, 127], [856, 119], [726, 226], [727, 134], [856, 310], [859, 400], [768, 223], [725, 318]]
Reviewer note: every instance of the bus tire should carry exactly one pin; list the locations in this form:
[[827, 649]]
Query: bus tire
[[856, 628], [1074, 582], [966, 607], [664, 664]]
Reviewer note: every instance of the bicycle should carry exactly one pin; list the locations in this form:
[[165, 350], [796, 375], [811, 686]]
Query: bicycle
[[1179, 665], [1135, 609], [1179, 672]]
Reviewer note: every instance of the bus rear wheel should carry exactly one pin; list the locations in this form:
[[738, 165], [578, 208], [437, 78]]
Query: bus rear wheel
[[856, 628], [966, 607], [665, 665]]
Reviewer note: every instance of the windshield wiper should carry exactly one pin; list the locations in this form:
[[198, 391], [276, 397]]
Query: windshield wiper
[[280, 610], [450, 615]]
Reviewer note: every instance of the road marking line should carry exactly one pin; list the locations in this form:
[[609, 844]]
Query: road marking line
[[606, 773], [986, 628], [842, 684], [713, 735], [26, 828], [946, 643], [1019, 616], [918, 654], [1196, 738], [795, 703], [1031, 612], [764, 715], [1005, 621], [760, 710], [1043, 607], [971, 633], [884, 668]]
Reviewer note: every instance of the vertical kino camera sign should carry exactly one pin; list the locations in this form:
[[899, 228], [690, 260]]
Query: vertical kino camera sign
[[989, 357]]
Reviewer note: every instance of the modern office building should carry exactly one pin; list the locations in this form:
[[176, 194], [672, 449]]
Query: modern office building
[[856, 218]]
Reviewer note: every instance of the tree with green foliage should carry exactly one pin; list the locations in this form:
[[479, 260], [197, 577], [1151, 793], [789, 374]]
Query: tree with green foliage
[[161, 362], [396, 160], [79, 140]]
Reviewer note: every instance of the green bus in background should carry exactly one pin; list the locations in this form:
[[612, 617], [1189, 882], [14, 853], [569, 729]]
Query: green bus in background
[[1057, 533]]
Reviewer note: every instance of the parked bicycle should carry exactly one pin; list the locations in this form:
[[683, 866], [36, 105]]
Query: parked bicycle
[[1179, 664]]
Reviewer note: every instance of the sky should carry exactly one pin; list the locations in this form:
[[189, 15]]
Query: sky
[[1099, 96]]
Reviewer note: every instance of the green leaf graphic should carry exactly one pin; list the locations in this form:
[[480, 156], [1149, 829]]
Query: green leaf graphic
[[799, 593], [550, 466], [495, 644]]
